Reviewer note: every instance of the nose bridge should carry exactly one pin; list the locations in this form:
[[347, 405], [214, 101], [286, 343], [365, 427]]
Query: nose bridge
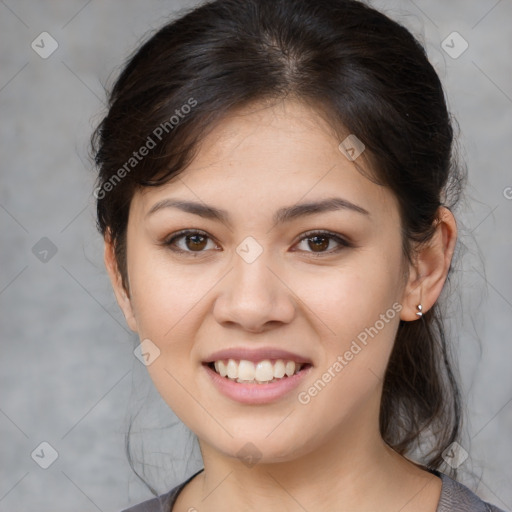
[[253, 295]]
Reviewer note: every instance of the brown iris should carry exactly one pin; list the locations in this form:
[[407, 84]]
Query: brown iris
[[199, 245], [317, 245]]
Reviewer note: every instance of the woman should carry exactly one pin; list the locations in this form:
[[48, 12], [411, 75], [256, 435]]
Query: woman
[[275, 189]]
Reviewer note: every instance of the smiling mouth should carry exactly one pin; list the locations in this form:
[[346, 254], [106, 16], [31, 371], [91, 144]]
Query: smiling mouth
[[261, 372]]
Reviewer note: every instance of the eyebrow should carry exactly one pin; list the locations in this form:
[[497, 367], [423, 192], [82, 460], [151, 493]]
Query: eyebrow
[[281, 216]]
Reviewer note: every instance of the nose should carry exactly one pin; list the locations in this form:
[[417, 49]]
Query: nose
[[254, 296]]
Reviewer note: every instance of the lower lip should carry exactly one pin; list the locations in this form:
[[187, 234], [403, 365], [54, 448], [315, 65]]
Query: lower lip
[[256, 393]]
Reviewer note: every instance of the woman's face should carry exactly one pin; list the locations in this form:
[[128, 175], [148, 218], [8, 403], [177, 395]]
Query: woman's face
[[259, 284]]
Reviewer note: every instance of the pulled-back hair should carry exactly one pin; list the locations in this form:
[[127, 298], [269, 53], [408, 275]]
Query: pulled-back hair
[[363, 72]]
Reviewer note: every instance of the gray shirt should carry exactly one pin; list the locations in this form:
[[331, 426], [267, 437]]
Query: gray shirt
[[455, 497]]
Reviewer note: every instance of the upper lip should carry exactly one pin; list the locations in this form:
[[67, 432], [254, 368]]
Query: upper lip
[[255, 355]]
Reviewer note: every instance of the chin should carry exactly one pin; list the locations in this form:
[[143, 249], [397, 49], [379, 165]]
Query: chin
[[261, 448]]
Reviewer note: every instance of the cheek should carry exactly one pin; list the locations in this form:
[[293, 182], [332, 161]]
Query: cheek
[[167, 305], [358, 317], [164, 295], [357, 314], [350, 299]]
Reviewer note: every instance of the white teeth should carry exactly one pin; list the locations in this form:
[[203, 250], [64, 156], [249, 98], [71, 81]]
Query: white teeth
[[223, 370], [246, 370], [263, 371], [232, 369], [290, 368], [279, 369]]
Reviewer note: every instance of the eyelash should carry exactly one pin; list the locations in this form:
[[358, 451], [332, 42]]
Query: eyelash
[[310, 234]]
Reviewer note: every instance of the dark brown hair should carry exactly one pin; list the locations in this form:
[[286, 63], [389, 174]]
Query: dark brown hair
[[363, 71]]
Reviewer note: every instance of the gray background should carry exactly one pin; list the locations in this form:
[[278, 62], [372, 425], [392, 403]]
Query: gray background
[[68, 373]]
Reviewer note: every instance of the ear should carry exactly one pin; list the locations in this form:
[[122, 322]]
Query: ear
[[122, 295], [428, 275]]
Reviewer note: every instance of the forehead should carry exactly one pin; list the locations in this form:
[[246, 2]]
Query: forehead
[[262, 156]]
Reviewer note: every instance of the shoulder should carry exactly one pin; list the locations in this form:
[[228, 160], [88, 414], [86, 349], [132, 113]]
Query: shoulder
[[456, 497], [162, 503]]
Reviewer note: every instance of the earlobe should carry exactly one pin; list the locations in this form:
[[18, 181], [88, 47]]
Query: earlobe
[[431, 268], [122, 295]]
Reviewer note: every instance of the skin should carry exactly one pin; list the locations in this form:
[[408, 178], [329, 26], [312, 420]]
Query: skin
[[327, 454]]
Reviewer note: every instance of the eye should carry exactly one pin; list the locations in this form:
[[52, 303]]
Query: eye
[[320, 240], [194, 241]]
